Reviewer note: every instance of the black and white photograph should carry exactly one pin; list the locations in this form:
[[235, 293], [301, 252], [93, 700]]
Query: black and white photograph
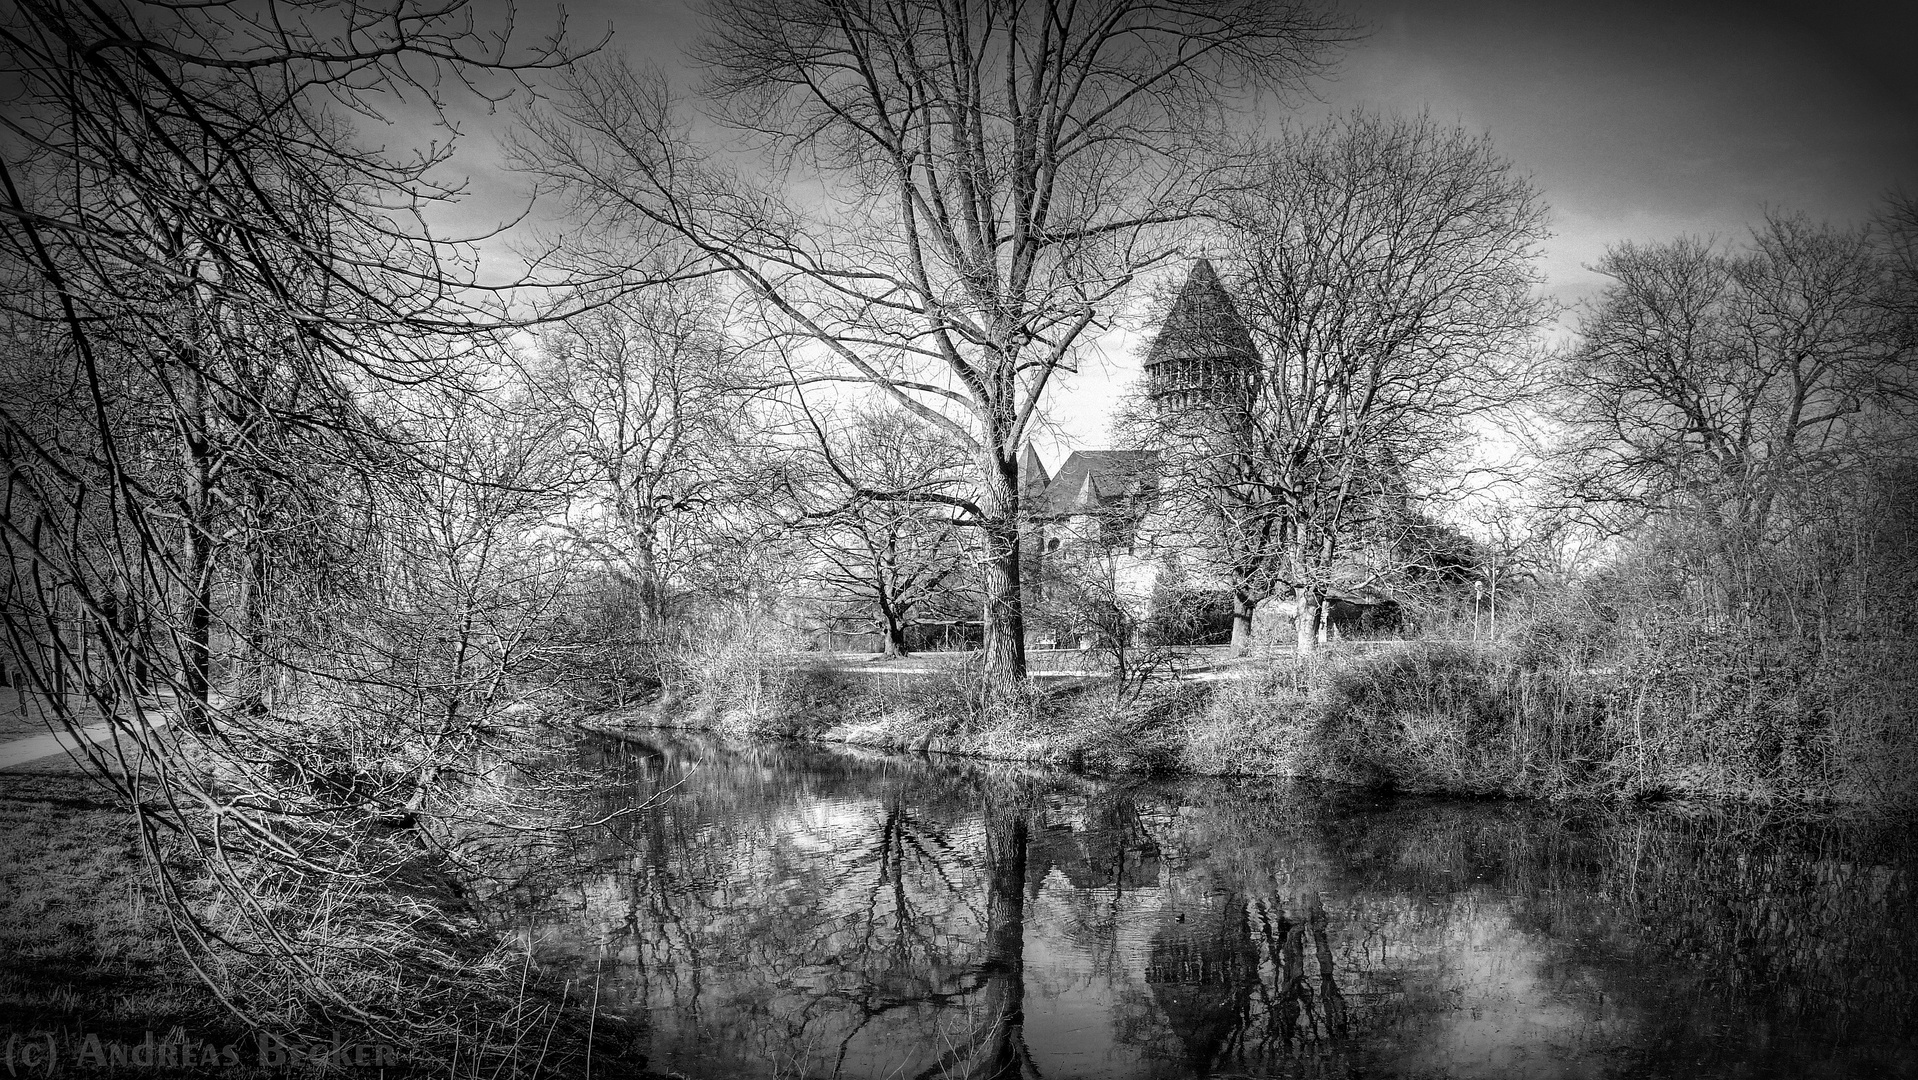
[[959, 539]]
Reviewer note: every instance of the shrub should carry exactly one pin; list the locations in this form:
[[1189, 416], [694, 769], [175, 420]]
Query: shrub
[[1259, 726], [1428, 716]]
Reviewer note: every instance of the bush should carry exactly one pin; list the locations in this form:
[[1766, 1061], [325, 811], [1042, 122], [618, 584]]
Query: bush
[[1429, 716], [604, 653], [1255, 727], [1108, 728], [1694, 712]]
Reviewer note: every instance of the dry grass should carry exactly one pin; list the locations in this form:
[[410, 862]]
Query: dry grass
[[1527, 717], [1736, 723], [89, 951], [1259, 726], [87, 946], [1094, 725]]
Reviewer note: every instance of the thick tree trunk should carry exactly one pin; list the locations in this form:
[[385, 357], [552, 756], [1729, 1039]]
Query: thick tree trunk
[[254, 690], [998, 1048], [1004, 609], [1307, 605], [646, 574], [256, 682], [1242, 608], [893, 633]]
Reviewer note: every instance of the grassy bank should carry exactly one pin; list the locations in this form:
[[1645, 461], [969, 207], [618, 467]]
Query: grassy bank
[[93, 967], [1727, 723], [1719, 720], [86, 946]]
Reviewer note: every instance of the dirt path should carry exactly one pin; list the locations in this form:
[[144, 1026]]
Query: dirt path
[[22, 751]]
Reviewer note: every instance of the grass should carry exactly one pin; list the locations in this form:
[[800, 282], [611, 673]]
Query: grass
[[1738, 724], [1724, 720], [88, 950], [24, 714], [1085, 725], [1438, 717], [89, 954]]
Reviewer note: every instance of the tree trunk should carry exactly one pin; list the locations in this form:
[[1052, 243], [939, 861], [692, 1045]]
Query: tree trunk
[[1004, 609], [135, 641], [999, 1046], [255, 687], [1306, 609], [646, 573], [196, 552], [893, 633], [1242, 608]]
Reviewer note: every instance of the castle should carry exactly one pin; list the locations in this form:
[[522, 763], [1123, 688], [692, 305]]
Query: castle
[[1102, 502], [1104, 506], [1102, 515]]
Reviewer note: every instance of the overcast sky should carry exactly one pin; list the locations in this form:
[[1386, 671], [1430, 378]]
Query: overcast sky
[[1639, 121]]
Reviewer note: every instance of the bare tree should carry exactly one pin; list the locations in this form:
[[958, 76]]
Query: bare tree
[[1721, 398], [1090, 598], [185, 214], [471, 573], [1385, 268], [656, 403], [1516, 548], [1719, 380], [893, 560], [219, 285], [945, 197], [1896, 234]]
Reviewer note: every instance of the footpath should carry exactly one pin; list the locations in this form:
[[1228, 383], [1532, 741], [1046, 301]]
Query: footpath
[[32, 748]]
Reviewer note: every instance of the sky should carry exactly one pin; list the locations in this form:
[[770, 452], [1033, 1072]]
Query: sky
[[1647, 121], [1638, 121]]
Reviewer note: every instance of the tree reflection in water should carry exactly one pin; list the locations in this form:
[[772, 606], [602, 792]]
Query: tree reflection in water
[[995, 1046], [791, 912]]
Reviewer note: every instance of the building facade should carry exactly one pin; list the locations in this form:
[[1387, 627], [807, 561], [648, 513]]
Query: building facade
[[1104, 556]]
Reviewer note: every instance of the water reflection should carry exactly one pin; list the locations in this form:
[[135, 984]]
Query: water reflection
[[790, 912]]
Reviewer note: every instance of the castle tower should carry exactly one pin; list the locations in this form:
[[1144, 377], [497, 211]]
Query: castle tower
[[1203, 355]]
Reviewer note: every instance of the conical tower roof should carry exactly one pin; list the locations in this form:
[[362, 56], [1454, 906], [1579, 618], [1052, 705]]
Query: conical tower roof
[[1204, 323], [1032, 477]]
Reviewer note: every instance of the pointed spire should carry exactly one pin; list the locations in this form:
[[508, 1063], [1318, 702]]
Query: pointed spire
[[1032, 478], [1203, 324]]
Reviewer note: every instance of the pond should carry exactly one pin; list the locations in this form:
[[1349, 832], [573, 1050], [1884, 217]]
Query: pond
[[787, 911]]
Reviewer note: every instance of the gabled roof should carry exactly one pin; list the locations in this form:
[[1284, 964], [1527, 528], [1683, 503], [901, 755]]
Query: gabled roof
[[1090, 479], [1203, 324]]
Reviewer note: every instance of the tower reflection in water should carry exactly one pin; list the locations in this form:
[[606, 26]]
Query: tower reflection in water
[[791, 912]]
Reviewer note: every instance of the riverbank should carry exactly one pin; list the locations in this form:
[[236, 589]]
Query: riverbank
[[1725, 721], [97, 979], [87, 947]]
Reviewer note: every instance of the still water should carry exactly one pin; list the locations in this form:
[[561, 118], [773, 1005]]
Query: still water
[[790, 911]]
